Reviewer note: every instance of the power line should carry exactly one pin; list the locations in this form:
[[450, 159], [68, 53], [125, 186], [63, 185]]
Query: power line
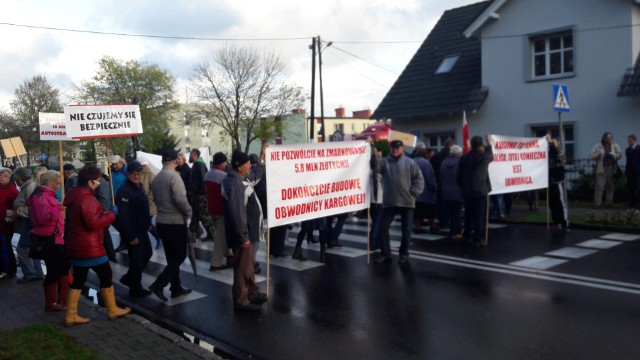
[[365, 60], [151, 36], [356, 70]]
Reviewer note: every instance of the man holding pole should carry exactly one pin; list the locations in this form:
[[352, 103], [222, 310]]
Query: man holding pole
[[473, 177]]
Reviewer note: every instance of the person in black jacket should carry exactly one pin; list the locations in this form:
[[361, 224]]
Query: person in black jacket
[[133, 225], [632, 170], [198, 196], [242, 217], [557, 203], [473, 177]]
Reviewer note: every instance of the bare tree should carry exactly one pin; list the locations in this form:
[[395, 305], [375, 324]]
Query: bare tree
[[239, 90]]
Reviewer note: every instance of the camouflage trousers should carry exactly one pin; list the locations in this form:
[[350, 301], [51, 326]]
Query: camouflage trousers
[[200, 213]]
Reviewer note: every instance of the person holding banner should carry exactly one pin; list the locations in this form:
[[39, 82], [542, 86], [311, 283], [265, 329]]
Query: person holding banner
[[242, 216], [557, 203], [402, 183], [473, 177], [606, 154]]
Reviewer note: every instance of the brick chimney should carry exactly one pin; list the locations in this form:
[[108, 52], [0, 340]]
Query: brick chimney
[[340, 112], [366, 113]]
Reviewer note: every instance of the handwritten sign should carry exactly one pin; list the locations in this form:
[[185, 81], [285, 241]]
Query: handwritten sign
[[308, 181], [519, 164], [52, 127]]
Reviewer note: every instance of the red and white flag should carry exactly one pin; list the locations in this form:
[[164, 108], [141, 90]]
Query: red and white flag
[[465, 134]]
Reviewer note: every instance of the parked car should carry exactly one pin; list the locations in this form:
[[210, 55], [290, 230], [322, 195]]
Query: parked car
[[378, 132]]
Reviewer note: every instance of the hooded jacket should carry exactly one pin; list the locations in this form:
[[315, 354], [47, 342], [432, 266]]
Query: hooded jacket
[[473, 172], [86, 222], [46, 214]]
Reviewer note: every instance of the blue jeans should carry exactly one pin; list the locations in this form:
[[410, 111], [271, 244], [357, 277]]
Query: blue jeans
[[474, 208], [31, 268], [406, 216]]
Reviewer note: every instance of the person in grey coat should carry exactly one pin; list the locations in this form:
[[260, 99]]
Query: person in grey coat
[[402, 182], [451, 191], [170, 196]]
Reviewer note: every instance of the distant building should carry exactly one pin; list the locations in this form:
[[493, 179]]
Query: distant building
[[348, 126]]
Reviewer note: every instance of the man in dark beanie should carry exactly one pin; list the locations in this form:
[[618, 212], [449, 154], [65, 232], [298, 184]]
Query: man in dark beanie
[[213, 187], [243, 226]]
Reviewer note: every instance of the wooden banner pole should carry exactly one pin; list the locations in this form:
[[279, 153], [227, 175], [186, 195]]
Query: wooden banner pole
[[113, 197], [61, 170]]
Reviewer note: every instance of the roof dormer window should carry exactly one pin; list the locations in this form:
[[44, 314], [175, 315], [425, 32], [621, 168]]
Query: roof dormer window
[[447, 64]]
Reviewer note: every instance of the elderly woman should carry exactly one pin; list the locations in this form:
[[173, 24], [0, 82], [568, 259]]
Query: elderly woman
[[8, 193], [85, 244], [46, 220], [451, 191]]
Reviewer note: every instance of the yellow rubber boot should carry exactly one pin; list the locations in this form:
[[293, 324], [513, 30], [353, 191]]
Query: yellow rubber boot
[[72, 309], [109, 297]]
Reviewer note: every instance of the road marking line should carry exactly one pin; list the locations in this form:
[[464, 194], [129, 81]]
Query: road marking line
[[539, 262], [571, 252], [599, 244], [621, 237]]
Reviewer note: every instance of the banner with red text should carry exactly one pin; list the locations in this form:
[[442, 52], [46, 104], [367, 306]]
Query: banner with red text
[[52, 127], [98, 121], [308, 181], [519, 164]]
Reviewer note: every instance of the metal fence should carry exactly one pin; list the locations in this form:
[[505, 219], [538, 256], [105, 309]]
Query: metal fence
[[580, 176]]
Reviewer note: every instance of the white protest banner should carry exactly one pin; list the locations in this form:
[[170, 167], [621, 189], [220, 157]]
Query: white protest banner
[[308, 181], [52, 127], [100, 121], [155, 161], [519, 164]]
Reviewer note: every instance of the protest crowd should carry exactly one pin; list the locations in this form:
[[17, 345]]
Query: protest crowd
[[446, 190]]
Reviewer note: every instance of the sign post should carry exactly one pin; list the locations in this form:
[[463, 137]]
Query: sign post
[[561, 104]]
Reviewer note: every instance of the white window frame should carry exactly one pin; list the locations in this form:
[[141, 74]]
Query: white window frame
[[548, 53], [441, 137]]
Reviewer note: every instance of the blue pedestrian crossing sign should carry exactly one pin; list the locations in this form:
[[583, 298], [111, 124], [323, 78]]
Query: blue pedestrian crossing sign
[[561, 98]]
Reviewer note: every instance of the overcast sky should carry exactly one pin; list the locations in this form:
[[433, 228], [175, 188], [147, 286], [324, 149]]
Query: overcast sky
[[350, 79]]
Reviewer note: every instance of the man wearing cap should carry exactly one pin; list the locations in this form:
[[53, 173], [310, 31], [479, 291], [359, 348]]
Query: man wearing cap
[[198, 196], [213, 188], [70, 176], [133, 225], [170, 197], [402, 182], [243, 227], [118, 172]]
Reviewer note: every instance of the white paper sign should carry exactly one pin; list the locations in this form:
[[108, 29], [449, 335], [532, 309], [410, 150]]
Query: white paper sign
[[519, 164], [95, 121], [308, 181], [52, 127]]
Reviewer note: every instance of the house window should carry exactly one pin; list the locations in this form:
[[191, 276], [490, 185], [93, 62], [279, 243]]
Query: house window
[[569, 140], [436, 141], [552, 55], [338, 127], [447, 64]]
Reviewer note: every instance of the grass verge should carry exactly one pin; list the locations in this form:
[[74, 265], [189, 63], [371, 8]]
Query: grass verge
[[43, 341]]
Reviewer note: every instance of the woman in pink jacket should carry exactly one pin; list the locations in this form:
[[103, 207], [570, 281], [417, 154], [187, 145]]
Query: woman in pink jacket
[[46, 219]]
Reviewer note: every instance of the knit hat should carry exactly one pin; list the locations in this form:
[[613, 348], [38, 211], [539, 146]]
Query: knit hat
[[219, 158], [68, 167], [116, 159], [238, 158], [169, 155], [255, 159]]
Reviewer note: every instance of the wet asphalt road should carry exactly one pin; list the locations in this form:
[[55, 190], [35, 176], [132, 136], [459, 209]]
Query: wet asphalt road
[[531, 294]]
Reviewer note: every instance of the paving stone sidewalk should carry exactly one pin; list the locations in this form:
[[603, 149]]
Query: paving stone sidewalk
[[130, 337]]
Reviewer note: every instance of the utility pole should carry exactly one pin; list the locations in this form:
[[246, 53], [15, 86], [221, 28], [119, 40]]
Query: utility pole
[[323, 133], [312, 119]]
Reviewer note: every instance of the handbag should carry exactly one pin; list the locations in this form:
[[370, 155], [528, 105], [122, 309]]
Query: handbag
[[40, 244]]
